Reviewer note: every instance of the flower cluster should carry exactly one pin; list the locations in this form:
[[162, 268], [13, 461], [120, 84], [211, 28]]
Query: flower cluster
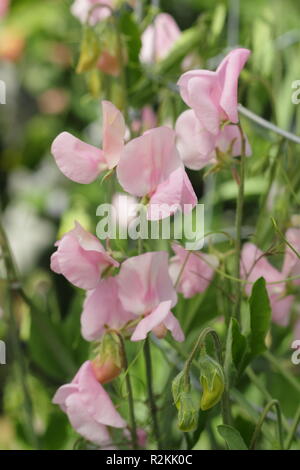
[[132, 296]]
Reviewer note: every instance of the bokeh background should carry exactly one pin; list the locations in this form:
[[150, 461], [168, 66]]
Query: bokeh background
[[39, 50]]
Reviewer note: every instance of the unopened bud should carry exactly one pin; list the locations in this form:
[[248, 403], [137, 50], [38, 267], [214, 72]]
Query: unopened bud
[[212, 381], [178, 388], [109, 361], [89, 51], [188, 413]]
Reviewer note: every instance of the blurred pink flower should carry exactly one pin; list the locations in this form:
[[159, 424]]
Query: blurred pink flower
[[197, 146], [213, 95], [255, 265], [4, 6], [150, 166], [81, 9], [81, 258], [145, 289], [159, 38], [88, 406], [196, 270], [148, 120], [82, 162], [102, 308]]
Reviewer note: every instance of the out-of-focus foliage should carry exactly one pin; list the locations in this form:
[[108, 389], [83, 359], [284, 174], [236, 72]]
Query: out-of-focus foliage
[[39, 51]]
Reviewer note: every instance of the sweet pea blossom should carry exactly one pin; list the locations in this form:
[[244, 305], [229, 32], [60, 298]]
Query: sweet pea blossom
[[150, 167], [102, 309], [82, 8], [88, 406], [159, 38], [82, 162], [194, 270], [213, 95], [198, 147], [81, 258], [255, 265], [146, 290]]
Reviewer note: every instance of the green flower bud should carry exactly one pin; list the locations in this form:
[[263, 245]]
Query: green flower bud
[[178, 388], [212, 381], [89, 51], [188, 413]]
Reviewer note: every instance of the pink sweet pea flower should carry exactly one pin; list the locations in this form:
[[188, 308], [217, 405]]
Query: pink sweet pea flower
[[102, 308], [146, 290], [291, 263], [159, 38], [88, 406], [82, 162], [82, 8], [150, 166], [4, 6], [81, 258], [195, 269], [255, 265], [213, 95], [197, 147]]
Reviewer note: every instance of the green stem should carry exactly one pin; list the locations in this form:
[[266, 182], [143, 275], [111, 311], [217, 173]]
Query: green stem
[[152, 404], [21, 369], [293, 430], [264, 415], [238, 223], [133, 428]]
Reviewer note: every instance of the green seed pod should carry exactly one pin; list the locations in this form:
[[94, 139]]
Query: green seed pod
[[212, 381], [188, 413]]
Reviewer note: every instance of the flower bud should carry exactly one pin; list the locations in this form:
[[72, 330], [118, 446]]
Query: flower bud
[[108, 363], [178, 388], [212, 381], [89, 51], [188, 413]]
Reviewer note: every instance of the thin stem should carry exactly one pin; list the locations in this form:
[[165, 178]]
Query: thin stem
[[152, 404], [268, 125], [264, 415], [133, 428], [293, 430], [238, 223]]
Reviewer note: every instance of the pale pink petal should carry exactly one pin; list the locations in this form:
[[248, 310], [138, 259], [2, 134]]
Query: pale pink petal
[[173, 194], [77, 160], [81, 9], [81, 258], [195, 144], [159, 38], [113, 133], [228, 73], [4, 5], [96, 399], [173, 325], [229, 140], [255, 265], [144, 282], [102, 308], [147, 161], [196, 270]]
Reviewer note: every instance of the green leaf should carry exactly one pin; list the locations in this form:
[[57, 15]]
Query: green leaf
[[260, 316], [232, 437], [239, 347]]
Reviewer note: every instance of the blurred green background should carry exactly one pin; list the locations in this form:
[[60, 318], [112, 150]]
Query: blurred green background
[[39, 50]]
